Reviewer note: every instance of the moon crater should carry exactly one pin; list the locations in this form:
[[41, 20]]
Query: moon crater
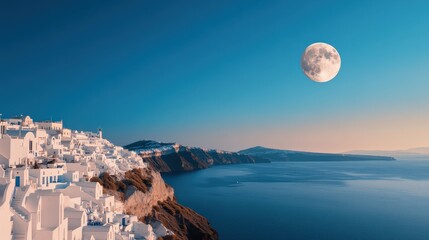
[[321, 62]]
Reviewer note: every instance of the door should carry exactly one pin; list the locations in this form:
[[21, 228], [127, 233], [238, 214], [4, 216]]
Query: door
[[17, 181]]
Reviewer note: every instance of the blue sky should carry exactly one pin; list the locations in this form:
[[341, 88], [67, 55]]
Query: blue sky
[[220, 74]]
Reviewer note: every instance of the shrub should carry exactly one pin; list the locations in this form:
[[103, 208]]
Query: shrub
[[96, 179]]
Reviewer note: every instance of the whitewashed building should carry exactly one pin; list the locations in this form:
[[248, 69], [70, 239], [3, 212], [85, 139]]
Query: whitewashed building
[[45, 192], [17, 148]]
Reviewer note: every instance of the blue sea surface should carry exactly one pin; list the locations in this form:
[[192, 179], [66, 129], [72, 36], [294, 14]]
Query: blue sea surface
[[311, 200]]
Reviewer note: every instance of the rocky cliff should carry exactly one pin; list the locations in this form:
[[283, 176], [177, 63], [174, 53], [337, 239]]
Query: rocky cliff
[[145, 194], [186, 223], [173, 157], [158, 191]]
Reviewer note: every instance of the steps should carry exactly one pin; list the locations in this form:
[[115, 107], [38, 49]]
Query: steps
[[7, 174], [20, 213], [18, 200], [18, 236]]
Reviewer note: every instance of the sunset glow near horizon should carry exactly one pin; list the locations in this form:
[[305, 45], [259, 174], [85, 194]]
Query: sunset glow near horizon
[[221, 74]]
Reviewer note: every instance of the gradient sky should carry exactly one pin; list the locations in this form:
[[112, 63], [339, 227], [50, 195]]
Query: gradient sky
[[221, 74]]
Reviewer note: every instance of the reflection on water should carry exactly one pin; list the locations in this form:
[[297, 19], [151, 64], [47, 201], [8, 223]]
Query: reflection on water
[[311, 200]]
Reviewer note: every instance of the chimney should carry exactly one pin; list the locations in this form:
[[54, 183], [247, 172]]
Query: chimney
[[2, 128], [20, 126]]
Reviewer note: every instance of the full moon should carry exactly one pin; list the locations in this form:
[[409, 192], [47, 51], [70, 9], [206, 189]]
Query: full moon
[[321, 62]]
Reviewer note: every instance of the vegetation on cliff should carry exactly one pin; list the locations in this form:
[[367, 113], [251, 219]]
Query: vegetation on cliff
[[140, 179], [182, 220]]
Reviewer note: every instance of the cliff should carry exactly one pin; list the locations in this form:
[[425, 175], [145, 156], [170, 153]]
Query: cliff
[[172, 157], [145, 194], [159, 191], [186, 223]]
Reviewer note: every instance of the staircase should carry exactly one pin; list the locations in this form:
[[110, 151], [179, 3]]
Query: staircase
[[17, 202], [19, 236], [21, 214], [7, 174]]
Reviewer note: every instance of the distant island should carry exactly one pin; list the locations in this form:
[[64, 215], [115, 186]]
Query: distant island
[[277, 155], [173, 157], [421, 153]]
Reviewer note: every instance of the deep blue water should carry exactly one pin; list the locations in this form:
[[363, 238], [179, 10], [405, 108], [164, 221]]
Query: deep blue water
[[311, 200]]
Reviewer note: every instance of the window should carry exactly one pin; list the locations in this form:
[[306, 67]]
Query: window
[[43, 180]]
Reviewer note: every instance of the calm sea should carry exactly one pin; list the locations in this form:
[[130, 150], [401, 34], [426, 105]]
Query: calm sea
[[311, 200]]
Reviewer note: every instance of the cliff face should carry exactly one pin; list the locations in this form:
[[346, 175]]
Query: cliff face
[[170, 157], [186, 223], [145, 194], [140, 204], [187, 159]]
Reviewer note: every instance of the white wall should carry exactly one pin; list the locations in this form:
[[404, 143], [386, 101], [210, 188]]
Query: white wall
[[16, 150], [99, 232], [6, 191], [23, 173], [48, 125], [44, 175], [52, 210], [5, 150]]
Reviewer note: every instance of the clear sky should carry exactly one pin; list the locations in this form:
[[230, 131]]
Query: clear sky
[[221, 74]]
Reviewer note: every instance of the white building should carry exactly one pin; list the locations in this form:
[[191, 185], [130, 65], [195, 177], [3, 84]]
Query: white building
[[83, 168], [21, 176], [66, 134], [99, 232], [6, 222], [16, 121], [50, 125], [48, 221], [17, 148], [45, 191], [47, 178], [77, 219]]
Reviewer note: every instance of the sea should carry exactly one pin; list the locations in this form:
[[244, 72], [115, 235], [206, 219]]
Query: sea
[[311, 200]]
